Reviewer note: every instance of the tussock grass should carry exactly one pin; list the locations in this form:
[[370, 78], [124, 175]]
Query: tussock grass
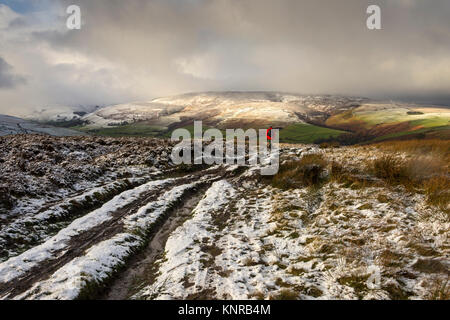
[[418, 165], [354, 178], [327, 145], [437, 190], [439, 290], [433, 147], [285, 294], [357, 282], [391, 169], [424, 173], [257, 295], [426, 169], [307, 171]]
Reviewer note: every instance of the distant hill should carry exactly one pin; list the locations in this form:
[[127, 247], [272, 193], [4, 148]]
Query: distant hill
[[12, 125], [388, 121], [302, 118], [224, 110]]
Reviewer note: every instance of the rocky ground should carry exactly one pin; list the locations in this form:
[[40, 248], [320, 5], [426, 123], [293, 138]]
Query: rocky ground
[[112, 218]]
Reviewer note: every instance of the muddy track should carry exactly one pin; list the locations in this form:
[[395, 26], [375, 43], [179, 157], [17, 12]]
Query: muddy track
[[57, 223], [49, 204], [76, 248], [80, 243], [122, 287], [139, 266]]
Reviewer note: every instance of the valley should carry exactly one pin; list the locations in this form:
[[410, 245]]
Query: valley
[[301, 118], [92, 206]]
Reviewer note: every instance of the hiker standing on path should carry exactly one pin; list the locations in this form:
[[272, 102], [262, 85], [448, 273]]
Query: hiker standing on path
[[269, 136]]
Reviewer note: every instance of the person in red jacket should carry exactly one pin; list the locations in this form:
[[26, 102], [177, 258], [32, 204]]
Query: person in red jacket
[[269, 133], [269, 137]]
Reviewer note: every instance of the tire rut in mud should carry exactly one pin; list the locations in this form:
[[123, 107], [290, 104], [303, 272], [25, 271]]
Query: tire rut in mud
[[51, 226], [125, 284], [80, 243]]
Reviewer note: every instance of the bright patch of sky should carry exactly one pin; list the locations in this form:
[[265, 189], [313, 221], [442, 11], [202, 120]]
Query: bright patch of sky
[[27, 6]]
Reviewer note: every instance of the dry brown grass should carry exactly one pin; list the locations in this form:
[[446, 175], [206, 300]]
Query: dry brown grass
[[285, 294], [355, 178], [423, 166], [304, 172], [326, 145], [425, 169], [439, 290], [433, 147], [391, 169], [257, 295], [437, 190]]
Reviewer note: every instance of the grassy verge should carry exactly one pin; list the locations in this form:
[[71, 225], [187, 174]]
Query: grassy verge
[[439, 149], [425, 168], [305, 172]]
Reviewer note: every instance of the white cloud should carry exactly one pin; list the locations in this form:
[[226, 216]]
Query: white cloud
[[203, 66], [139, 49]]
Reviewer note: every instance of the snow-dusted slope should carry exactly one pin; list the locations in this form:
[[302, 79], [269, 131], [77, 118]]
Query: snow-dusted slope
[[223, 109], [12, 125], [214, 233]]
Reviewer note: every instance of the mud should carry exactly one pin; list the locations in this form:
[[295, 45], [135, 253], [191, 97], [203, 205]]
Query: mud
[[123, 287], [80, 243]]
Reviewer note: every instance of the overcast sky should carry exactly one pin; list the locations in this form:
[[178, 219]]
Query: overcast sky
[[141, 49]]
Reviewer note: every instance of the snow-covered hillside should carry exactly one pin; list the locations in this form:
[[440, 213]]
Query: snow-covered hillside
[[224, 109], [12, 125]]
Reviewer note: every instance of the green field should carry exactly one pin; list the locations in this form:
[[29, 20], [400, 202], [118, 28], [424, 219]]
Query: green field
[[383, 122], [297, 133], [190, 128], [423, 120], [368, 118], [439, 132], [307, 133]]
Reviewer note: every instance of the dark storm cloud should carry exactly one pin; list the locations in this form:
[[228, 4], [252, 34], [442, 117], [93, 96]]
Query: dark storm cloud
[[138, 49]]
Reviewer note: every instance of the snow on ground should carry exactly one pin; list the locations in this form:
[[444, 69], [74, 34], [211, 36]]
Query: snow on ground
[[103, 259], [244, 239], [37, 169], [31, 228], [95, 266], [334, 243], [17, 266], [147, 215], [182, 255]]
